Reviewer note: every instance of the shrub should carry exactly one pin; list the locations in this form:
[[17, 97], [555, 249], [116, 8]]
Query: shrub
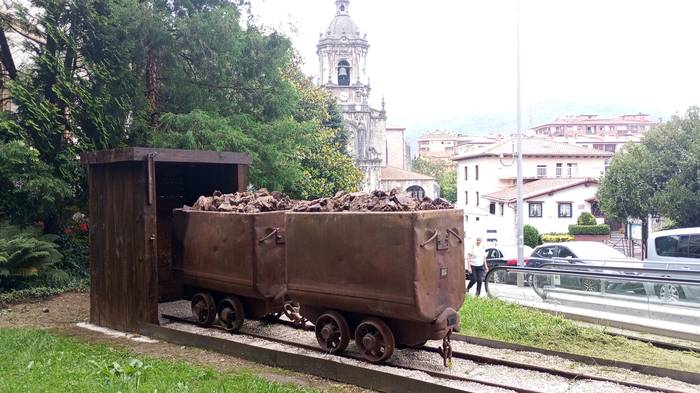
[[586, 218], [531, 236], [556, 237], [602, 229]]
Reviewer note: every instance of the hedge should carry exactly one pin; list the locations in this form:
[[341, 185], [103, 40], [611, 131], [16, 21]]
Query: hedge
[[602, 229], [556, 237]]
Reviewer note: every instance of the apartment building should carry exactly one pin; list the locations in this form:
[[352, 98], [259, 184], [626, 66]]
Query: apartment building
[[561, 181]]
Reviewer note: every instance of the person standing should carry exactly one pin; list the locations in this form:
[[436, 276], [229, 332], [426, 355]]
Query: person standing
[[476, 265]]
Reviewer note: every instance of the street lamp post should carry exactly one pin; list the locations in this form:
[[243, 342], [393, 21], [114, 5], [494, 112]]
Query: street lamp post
[[519, 152]]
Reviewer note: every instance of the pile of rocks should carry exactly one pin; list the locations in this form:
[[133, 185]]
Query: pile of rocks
[[377, 201], [244, 202]]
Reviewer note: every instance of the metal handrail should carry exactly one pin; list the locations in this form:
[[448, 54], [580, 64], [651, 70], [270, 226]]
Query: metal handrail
[[625, 269], [591, 275]]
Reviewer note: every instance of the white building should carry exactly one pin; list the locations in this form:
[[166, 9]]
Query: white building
[[398, 151], [557, 176], [443, 145], [415, 183]]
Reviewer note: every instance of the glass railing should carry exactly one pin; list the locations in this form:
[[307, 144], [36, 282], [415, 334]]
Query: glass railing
[[608, 286]]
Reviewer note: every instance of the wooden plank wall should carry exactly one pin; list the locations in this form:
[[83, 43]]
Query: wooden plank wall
[[123, 287], [131, 238]]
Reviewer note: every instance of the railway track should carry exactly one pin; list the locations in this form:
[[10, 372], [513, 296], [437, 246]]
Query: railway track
[[478, 359]]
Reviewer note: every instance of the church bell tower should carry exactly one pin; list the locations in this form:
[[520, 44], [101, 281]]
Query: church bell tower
[[342, 53]]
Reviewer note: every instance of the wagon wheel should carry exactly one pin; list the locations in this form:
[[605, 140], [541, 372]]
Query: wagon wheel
[[374, 339], [203, 308], [231, 314], [332, 332]]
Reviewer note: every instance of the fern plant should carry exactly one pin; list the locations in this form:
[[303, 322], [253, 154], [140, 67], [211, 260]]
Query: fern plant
[[24, 256]]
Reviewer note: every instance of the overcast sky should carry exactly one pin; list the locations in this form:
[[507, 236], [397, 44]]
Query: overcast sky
[[441, 59]]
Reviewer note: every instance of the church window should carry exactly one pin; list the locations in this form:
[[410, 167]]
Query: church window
[[342, 8], [344, 73]]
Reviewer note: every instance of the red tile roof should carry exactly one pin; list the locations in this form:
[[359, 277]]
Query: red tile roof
[[538, 187], [534, 147]]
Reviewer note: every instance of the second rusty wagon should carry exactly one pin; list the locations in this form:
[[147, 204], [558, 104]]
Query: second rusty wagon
[[383, 279], [232, 265]]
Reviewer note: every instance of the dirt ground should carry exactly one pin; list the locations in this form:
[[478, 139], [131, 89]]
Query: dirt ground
[[62, 312]]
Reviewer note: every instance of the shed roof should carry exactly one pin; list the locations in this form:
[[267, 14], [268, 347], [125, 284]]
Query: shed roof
[[164, 155], [393, 173], [538, 187]]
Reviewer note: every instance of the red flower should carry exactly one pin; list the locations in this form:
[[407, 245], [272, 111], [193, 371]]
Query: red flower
[[68, 230], [83, 227]]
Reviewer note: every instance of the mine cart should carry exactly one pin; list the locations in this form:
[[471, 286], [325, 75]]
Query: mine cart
[[232, 264], [384, 279]]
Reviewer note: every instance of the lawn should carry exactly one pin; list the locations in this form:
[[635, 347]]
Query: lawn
[[40, 361], [499, 320]]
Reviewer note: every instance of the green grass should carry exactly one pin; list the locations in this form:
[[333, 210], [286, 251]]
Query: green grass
[[40, 361], [499, 320]]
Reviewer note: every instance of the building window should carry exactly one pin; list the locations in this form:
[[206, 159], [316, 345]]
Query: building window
[[466, 197], [559, 169], [492, 208], [344, 73], [417, 192], [572, 169], [535, 209], [541, 170], [501, 208], [595, 210], [476, 175], [477, 198], [466, 172], [565, 210]]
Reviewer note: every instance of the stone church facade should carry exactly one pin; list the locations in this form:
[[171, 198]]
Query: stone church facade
[[382, 154], [342, 52]]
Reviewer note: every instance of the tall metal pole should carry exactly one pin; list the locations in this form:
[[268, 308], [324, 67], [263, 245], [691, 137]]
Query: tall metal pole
[[520, 216]]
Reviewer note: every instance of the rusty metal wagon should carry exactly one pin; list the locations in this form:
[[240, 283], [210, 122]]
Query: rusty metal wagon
[[382, 279], [232, 265]]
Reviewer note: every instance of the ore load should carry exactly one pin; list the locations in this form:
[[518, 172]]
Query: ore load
[[381, 268]]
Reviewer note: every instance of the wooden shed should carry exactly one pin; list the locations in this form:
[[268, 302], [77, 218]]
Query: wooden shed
[[132, 194]]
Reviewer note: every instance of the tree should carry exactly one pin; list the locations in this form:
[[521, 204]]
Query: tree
[[111, 73], [444, 173], [658, 176]]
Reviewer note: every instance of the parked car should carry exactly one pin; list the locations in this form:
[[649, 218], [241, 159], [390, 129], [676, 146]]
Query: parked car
[[504, 256], [675, 249], [583, 253]]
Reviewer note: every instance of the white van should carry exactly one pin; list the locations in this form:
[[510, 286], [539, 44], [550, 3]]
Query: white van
[[675, 249], [678, 249]]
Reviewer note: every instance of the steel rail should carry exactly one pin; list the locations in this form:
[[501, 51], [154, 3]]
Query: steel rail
[[320, 367], [680, 375], [482, 360], [313, 348], [546, 370]]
